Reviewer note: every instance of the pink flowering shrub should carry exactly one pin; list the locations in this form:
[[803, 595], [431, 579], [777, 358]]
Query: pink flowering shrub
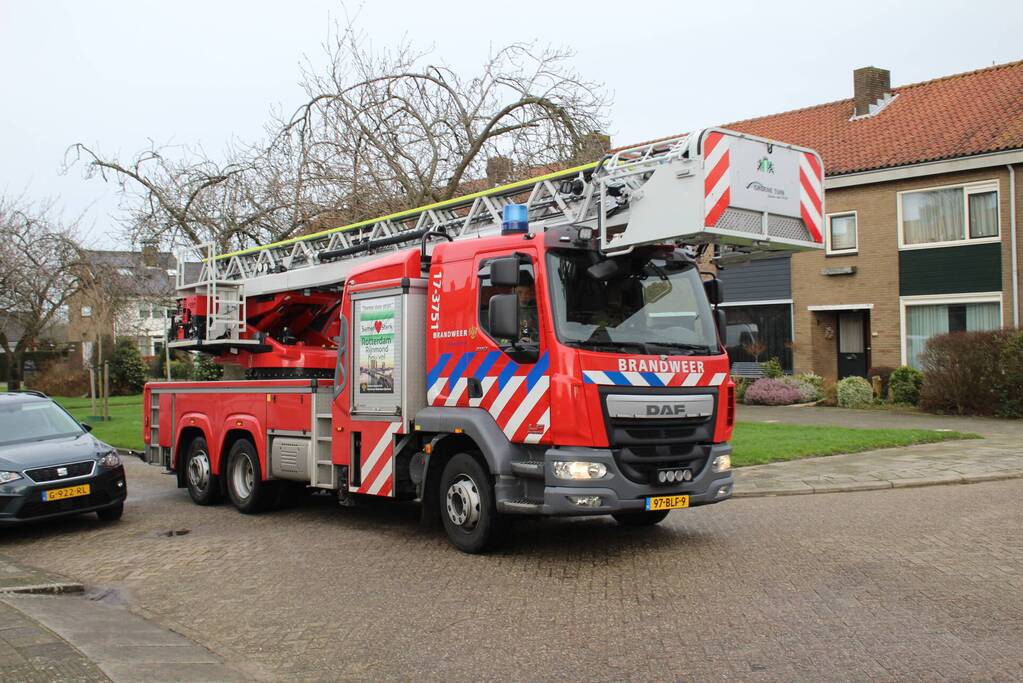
[[772, 392]]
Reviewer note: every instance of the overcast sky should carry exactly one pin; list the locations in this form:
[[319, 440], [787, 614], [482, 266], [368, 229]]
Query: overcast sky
[[116, 74]]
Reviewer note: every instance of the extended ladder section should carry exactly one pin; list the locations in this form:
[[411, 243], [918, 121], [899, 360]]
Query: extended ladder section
[[711, 187]]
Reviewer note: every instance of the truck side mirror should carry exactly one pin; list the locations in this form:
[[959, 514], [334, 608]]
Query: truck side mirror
[[504, 316], [715, 291], [504, 272], [721, 321]]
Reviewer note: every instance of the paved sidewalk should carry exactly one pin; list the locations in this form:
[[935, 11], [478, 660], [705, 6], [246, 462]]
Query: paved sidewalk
[[51, 631], [999, 455]]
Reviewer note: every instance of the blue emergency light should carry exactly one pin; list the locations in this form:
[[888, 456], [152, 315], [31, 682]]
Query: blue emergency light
[[515, 219]]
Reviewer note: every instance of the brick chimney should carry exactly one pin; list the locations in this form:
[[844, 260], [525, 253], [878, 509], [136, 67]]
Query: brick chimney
[[499, 171], [149, 254], [870, 85]]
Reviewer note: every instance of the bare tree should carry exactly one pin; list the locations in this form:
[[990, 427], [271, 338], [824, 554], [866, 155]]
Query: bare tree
[[379, 132], [37, 275]]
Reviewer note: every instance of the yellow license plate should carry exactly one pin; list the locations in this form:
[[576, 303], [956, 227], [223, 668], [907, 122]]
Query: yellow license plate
[[667, 502], [69, 492]]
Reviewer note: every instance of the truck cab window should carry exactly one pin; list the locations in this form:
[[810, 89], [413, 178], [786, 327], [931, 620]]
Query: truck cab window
[[525, 348]]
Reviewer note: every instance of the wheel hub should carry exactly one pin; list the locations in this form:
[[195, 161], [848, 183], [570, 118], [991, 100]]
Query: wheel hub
[[463, 503], [199, 470], [242, 477]]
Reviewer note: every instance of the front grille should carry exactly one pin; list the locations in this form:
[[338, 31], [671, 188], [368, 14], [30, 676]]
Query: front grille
[[42, 475], [39, 508]]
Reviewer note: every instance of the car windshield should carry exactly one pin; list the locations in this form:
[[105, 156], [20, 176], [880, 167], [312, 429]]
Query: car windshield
[[22, 421], [652, 305]]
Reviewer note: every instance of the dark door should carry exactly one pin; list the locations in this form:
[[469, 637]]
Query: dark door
[[852, 344]]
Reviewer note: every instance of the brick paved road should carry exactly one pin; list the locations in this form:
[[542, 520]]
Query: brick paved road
[[909, 584]]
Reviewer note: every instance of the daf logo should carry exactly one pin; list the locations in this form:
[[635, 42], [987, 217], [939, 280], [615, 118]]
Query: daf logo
[[669, 409]]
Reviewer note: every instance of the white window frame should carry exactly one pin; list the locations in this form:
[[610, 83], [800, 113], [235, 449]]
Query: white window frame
[[979, 187], [839, 214], [945, 299]]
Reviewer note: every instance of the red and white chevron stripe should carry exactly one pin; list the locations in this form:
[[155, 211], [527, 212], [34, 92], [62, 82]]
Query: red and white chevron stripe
[[811, 194], [377, 466], [716, 183]]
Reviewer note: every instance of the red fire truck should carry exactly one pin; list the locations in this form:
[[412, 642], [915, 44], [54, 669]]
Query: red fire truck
[[548, 347]]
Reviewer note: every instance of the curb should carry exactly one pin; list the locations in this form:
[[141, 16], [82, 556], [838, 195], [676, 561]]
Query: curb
[[878, 485], [43, 589]]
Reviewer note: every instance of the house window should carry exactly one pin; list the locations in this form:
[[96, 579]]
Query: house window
[[930, 318], [756, 334], [144, 312], [86, 311], [842, 233], [948, 215]]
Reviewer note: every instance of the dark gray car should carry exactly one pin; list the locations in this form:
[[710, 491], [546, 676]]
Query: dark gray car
[[51, 466]]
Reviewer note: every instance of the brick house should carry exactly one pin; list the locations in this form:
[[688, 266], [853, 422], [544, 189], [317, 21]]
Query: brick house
[[128, 294], [923, 225]]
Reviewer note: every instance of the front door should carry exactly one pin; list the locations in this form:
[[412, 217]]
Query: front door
[[852, 344]]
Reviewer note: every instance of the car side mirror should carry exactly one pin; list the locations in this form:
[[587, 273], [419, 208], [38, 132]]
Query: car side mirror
[[86, 426], [504, 272], [504, 316], [715, 291]]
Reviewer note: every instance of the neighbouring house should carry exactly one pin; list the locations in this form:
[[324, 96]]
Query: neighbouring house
[[127, 294], [923, 211]]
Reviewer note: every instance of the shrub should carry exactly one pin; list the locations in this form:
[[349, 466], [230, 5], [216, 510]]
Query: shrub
[[205, 369], [61, 378], [772, 392], [830, 393], [885, 373], [904, 385], [815, 381], [854, 392], [808, 393], [974, 373], [127, 369], [181, 369], [741, 384], [772, 369]]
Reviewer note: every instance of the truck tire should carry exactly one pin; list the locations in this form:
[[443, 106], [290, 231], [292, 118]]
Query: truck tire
[[644, 518], [202, 485], [245, 485], [467, 507]]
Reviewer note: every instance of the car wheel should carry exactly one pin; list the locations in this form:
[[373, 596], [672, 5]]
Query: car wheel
[[249, 493], [640, 518], [467, 506], [202, 485], [111, 514]]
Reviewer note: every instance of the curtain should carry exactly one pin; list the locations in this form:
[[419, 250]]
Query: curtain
[[983, 214], [934, 216], [843, 232], [983, 317], [922, 323]]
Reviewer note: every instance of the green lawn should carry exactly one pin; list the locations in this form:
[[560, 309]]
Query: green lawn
[[124, 429], [754, 443]]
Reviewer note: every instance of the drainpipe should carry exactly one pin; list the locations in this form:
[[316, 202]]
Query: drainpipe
[[1012, 232]]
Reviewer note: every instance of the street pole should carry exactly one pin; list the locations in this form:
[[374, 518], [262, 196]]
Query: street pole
[[92, 387], [106, 391]]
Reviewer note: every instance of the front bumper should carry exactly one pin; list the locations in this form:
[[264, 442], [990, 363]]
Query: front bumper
[[22, 500], [617, 493]]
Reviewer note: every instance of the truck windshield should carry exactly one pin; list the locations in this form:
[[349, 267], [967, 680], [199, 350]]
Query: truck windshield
[[650, 305]]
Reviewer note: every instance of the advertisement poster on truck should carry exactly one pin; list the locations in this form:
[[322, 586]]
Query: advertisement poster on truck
[[376, 346]]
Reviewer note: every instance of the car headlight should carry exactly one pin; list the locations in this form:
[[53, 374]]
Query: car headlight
[[578, 469], [6, 477], [111, 459]]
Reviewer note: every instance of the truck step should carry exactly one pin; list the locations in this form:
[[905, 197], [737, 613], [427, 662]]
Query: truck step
[[520, 506], [534, 469]]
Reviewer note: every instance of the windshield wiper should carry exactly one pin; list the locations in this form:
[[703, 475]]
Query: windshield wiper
[[602, 344], [692, 348]]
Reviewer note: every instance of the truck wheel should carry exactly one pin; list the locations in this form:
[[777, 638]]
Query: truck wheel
[[467, 506], [202, 485], [249, 493], [640, 518]]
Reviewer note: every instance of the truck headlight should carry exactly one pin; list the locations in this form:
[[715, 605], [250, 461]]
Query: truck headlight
[[721, 463], [6, 477], [579, 469], [111, 459]]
